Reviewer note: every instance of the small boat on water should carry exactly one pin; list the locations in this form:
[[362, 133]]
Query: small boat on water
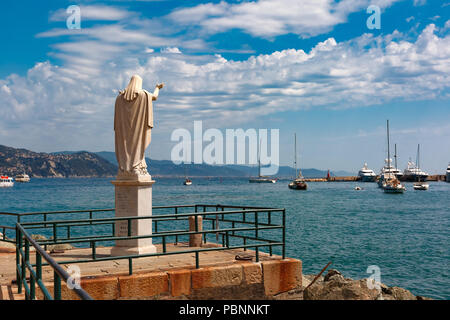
[[6, 181], [421, 186], [187, 181], [22, 178], [260, 178], [298, 183], [366, 174], [447, 178], [389, 181]]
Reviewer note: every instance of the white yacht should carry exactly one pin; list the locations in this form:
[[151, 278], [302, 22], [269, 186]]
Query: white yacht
[[6, 181], [413, 171], [448, 173], [366, 174], [23, 178]]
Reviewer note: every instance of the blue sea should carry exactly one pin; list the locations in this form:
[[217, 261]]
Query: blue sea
[[407, 236]]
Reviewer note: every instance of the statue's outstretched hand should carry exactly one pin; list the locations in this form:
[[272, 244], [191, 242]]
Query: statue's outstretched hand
[[160, 86]]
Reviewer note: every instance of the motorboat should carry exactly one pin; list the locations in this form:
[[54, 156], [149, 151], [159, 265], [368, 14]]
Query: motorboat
[[366, 175], [22, 178], [6, 181]]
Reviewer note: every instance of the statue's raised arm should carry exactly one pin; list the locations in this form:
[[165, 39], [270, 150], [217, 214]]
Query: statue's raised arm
[[156, 92]]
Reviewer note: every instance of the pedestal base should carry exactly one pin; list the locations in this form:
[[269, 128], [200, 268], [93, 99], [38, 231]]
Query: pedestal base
[[133, 198]]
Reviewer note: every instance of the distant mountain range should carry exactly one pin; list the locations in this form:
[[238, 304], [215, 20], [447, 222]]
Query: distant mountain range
[[104, 164], [76, 164], [168, 168]]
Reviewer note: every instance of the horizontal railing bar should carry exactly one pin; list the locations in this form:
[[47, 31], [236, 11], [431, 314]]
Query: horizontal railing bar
[[166, 234], [148, 255], [231, 206], [154, 217], [112, 209], [240, 221], [7, 227]]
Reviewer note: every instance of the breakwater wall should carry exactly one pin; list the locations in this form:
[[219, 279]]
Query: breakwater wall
[[436, 177]]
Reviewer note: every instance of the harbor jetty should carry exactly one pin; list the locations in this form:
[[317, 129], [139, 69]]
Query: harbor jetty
[[436, 177]]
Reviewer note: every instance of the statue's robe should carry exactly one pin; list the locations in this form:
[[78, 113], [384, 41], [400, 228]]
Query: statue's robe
[[133, 121]]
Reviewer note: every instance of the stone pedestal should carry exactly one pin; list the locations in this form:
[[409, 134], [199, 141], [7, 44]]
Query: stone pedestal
[[133, 198]]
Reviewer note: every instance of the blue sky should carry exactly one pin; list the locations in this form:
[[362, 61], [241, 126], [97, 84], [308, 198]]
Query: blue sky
[[310, 67]]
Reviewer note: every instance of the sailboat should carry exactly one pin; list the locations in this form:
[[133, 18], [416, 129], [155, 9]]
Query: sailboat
[[187, 181], [420, 185], [260, 178], [298, 183], [390, 182]]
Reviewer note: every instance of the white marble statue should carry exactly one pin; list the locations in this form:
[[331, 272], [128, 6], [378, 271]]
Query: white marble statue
[[133, 122]]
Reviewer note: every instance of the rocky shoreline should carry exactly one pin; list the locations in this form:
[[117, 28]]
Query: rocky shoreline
[[334, 286]]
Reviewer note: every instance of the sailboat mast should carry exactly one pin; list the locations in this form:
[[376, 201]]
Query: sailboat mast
[[295, 154], [389, 152], [259, 159], [395, 156], [418, 156]]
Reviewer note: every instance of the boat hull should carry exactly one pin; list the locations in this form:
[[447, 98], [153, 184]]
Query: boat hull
[[298, 186], [393, 190], [6, 184], [262, 180], [421, 187], [448, 176], [367, 178]]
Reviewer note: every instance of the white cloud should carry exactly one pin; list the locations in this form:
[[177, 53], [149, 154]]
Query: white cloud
[[170, 50], [269, 18], [75, 101]]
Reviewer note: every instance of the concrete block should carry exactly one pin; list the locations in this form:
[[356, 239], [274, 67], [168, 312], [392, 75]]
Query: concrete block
[[252, 273], [219, 276], [281, 275], [180, 282], [144, 285]]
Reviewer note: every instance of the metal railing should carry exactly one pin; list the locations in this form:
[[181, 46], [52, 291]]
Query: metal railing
[[240, 227], [35, 280]]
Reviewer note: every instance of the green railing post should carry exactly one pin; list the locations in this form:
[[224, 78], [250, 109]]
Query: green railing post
[[18, 259], [56, 286], [130, 266], [54, 232], [24, 268], [257, 254], [284, 234], [38, 267], [164, 244], [94, 251], [197, 260], [256, 224], [228, 239]]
